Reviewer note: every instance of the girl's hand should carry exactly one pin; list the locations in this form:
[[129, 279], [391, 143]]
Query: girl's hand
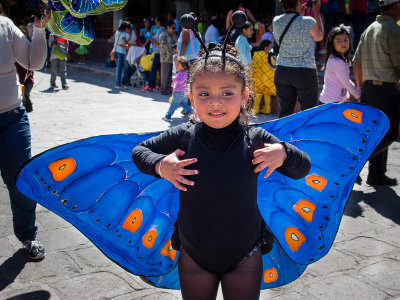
[[271, 156], [42, 22], [173, 169], [317, 6], [303, 9]]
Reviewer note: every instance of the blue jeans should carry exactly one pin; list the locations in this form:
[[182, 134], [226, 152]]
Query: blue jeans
[[178, 100], [15, 150], [154, 68], [120, 60]]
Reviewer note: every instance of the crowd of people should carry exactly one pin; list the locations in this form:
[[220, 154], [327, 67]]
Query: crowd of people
[[174, 51], [295, 78]]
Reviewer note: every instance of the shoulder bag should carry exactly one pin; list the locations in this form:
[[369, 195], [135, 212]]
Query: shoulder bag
[[275, 46]]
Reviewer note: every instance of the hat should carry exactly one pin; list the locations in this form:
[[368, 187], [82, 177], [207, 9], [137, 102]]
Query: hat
[[387, 2]]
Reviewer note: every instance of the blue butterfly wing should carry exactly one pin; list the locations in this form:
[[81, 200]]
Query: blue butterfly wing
[[95, 185], [304, 214]]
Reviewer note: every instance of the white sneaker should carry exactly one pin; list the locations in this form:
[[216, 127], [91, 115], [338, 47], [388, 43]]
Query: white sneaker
[[122, 87], [35, 249]]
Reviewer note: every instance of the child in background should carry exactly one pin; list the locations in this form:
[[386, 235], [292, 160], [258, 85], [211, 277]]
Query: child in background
[[337, 83], [268, 34], [179, 87], [26, 84], [25, 78], [215, 163], [263, 77], [82, 51], [58, 58]]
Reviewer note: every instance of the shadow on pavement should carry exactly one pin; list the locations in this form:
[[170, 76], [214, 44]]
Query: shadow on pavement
[[37, 295], [50, 90], [384, 200], [10, 269]]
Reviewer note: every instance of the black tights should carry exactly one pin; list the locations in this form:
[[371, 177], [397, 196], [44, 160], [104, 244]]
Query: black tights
[[243, 282]]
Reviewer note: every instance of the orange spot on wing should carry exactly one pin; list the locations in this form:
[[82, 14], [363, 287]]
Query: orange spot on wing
[[133, 221], [353, 115], [270, 275], [294, 238], [62, 168], [168, 251], [305, 209], [316, 182], [149, 238]]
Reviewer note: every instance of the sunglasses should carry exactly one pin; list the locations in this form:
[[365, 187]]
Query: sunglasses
[[173, 28]]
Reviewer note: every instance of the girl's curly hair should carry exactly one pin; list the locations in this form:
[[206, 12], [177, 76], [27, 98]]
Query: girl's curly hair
[[233, 66]]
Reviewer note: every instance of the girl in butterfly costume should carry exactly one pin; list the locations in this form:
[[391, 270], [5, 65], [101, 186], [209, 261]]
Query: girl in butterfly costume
[[95, 185], [215, 162]]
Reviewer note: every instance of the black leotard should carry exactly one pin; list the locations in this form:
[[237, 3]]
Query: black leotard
[[219, 221]]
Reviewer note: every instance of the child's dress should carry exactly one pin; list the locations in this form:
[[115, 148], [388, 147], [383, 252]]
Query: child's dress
[[263, 78], [219, 220], [82, 50], [337, 83]]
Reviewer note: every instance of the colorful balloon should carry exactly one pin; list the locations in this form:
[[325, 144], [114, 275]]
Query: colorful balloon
[[70, 19], [83, 8]]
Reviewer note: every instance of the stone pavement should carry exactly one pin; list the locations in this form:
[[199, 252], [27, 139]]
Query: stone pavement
[[364, 262]]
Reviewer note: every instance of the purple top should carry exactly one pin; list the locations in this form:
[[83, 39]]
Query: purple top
[[337, 82], [179, 82]]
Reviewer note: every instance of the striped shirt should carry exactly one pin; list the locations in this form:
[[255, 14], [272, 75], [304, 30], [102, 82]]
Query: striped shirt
[[379, 50]]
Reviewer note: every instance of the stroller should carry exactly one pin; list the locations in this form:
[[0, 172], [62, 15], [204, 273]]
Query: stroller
[[134, 57]]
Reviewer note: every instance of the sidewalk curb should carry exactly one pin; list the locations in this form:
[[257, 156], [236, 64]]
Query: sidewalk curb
[[92, 69]]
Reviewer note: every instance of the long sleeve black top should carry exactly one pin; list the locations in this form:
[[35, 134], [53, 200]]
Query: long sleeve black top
[[219, 221]]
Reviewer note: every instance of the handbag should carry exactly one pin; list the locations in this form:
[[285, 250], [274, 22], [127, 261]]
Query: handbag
[[59, 52], [275, 46], [112, 53]]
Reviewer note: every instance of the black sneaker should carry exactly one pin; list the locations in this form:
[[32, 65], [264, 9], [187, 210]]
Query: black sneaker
[[381, 180], [65, 87], [28, 107], [35, 249]]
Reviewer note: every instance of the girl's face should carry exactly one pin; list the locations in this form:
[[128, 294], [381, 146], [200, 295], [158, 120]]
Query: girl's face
[[217, 98], [341, 43], [248, 32], [270, 28], [179, 67]]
